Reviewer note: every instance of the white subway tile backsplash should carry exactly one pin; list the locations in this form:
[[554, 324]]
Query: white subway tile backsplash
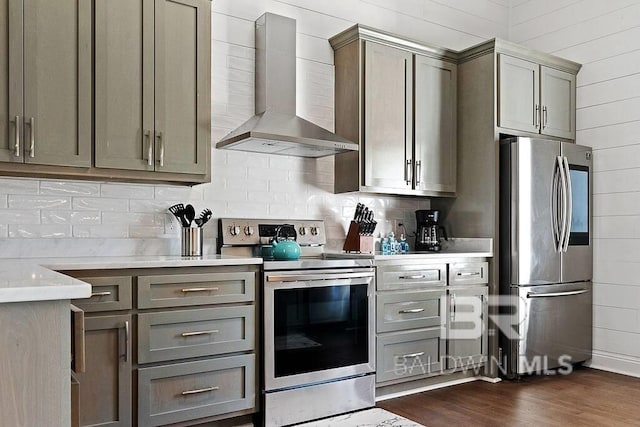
[[3, 201], [28, 231], [100, 204], [171, 193], [110, 231], [127, 191], [141, 231], [18, 186], [70, 217], [4, 230], [14, 216], [132, 218], [69, 188], [38, 202]]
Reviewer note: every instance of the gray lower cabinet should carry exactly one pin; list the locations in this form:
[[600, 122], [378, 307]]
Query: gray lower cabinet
[[152, 84], [191, 390], [45, 73], [467, 337], [407, 354], [105, 386], [107, 294], [409, 310]]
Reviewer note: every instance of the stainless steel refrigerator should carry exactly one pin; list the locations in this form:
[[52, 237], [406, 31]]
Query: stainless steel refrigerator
[[546, 255]]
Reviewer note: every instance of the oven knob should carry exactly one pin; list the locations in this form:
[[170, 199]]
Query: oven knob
[[303, 231], [314, 231], [234, 230], [248, 230]]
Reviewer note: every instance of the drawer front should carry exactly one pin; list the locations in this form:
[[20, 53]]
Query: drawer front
[[193, 333], [409, 310], [107, 294], [469, 273], [187, 391], [409, 355], [411, 277], [195, 289]]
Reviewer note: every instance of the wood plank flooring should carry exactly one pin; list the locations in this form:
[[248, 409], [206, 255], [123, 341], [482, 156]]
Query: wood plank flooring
[[587, 397]]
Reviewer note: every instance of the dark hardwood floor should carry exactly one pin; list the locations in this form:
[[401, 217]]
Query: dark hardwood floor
[[587, 397]]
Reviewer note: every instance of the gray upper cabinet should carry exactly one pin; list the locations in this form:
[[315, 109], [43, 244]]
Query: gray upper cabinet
[[535, 98], [46, 82], [435, 125], [387, 124], [157, 121], [397, 99]]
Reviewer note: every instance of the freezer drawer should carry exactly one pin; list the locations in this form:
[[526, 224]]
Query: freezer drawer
[[555, 327]]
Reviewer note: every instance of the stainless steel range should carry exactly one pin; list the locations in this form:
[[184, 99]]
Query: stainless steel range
[[317, 322]]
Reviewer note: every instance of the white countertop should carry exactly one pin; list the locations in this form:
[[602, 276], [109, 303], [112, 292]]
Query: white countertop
[[453, 248], [34, 279]]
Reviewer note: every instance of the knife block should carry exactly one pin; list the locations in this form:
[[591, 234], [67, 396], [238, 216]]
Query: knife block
[[357, 243]]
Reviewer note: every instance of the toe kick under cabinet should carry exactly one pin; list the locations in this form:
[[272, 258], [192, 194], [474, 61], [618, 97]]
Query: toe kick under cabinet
[[168, 346], [430, 318]]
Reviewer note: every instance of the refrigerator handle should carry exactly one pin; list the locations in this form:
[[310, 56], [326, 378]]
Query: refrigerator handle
[[555, 221], [563, 218], [569, 205]]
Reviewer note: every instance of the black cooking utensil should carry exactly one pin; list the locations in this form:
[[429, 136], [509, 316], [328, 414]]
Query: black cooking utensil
[[178, 211], [189, 214], [204, 217]]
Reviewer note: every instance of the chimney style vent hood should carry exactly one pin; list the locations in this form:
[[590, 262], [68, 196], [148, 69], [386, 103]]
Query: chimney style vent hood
[[275, 129]]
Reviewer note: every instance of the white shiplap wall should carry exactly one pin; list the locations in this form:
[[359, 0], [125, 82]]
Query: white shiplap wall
[[605, 37], [69, 218]]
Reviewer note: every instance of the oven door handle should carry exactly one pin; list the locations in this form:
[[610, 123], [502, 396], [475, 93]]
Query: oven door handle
[[321, 276]]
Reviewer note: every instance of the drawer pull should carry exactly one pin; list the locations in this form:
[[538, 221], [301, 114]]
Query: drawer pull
[[100, 294], [412, 310], [475, 273], [185, 290], [414, 277], [200, 390], [406, 356], [193, 334]]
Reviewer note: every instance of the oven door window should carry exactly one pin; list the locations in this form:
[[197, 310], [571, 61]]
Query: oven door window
[[320, 328]]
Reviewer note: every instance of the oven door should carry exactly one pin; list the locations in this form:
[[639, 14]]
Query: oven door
[[318, 326]]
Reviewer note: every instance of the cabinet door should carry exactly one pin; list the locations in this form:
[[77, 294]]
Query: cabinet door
[[105, 386], [57, 82], [387, 122], [11, 81], [124, 84], [558, 100], [435, 125], [466, 327], [518, 94], [182, 93]]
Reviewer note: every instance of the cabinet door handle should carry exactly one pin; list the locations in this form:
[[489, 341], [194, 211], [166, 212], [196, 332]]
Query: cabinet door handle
[[16, 145], [147, 136], [161, 143], [545, 118], [413, 277], [453, 307], [100, 294], [126, 340], [413, 310], [418, 171], [536, 114], [475, 273], [406, 356], [193, 334], [32, 144], [407, 172], [185, 290], [200, 390]]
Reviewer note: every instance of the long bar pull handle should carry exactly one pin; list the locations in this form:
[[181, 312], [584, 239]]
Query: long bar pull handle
[[536, 115], [16, 145], [161, 142], [556, 294], [126, 340], [555, 221], [418, 171], [452, 307], [569, 205], [407, 172], [193, 334], [545, 118], [100, 294], [410, 355], [413, 277], [147, 137], [32, 144], [186, 290], [412, 310], [563, 219], [200, 390], [467, 274]]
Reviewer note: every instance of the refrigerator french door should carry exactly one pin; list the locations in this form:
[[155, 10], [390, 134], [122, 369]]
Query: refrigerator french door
[[545, 254]]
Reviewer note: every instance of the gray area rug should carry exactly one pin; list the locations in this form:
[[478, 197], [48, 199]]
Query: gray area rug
[[374, 417]]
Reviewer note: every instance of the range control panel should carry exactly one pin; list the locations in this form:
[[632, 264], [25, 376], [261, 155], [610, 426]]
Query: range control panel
[[254, 232]]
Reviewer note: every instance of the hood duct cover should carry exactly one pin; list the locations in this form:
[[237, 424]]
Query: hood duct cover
[[275, 129]]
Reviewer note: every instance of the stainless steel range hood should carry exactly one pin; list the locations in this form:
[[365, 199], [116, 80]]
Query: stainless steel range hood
[[275, 129]]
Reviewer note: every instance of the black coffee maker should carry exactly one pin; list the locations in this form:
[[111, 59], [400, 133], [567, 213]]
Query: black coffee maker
[[430, 233]]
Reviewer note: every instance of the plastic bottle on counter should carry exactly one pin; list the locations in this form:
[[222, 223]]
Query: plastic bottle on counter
[[385, 246], [393, 243], [404, 246]]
